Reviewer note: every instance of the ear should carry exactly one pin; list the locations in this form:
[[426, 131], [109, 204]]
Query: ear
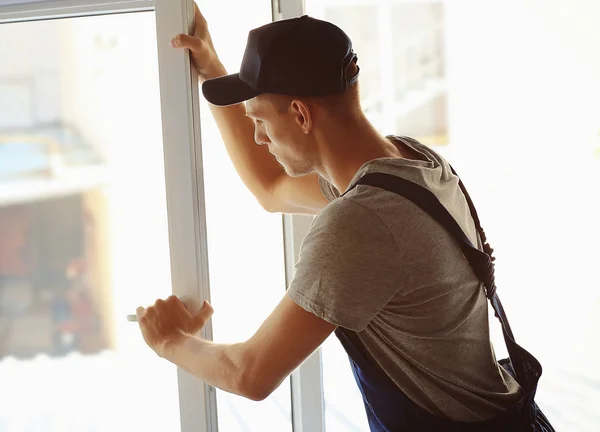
[[302, 116]]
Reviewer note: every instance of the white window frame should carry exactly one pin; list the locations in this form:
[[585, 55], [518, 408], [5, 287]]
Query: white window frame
[[308, 402], [53, 9], [182, 159]]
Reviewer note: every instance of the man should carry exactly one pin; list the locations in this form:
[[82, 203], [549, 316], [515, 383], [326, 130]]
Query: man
[[390, 281]]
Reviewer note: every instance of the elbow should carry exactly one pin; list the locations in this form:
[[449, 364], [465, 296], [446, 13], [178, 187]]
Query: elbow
[[268, 203], [255, 389], [258, 395], [254, 382]]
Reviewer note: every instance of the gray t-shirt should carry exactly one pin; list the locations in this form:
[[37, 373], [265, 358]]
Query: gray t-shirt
[[376, 264]]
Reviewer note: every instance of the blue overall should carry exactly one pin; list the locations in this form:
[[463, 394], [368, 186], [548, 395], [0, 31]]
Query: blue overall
[[388, 408]]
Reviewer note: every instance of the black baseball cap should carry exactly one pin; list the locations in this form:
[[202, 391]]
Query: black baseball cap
[[301, 56]]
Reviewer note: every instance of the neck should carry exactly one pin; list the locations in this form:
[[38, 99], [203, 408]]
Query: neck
[[344, 146]]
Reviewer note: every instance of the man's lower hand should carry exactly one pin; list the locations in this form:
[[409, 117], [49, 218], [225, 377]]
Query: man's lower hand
[[168, 322]]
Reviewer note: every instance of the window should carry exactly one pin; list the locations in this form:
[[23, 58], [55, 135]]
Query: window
[[97, 215], [83, 222]]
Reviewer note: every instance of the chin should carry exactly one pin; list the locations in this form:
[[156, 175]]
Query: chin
[[296, 172]]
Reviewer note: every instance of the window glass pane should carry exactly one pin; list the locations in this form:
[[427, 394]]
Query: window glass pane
[[83, 227], [245, 243], [517, 114]]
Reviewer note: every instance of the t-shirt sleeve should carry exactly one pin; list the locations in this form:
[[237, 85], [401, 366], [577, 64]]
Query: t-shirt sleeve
[[346, 272]]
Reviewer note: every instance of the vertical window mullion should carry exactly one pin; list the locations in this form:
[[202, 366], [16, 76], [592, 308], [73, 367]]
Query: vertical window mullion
[[185, 194]]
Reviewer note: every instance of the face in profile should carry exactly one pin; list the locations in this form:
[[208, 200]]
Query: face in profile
[[278, 126]]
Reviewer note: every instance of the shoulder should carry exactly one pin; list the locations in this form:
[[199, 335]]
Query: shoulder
[[346, 230], [350, 211]]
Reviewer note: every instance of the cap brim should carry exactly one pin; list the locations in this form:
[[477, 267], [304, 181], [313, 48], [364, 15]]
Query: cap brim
[[227, 90]]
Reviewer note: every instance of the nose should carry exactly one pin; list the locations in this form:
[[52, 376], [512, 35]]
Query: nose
[[261, 137], [261, 140]]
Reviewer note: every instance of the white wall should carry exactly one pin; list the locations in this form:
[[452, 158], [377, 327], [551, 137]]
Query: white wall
[[524, 76], [524, 110]]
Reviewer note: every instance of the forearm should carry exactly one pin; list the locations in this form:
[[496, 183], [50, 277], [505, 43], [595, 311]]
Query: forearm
[[220, 365], [257, 168]]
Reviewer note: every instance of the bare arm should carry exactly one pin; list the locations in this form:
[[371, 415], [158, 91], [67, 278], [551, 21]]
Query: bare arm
[[258, 169], [253, 369]]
